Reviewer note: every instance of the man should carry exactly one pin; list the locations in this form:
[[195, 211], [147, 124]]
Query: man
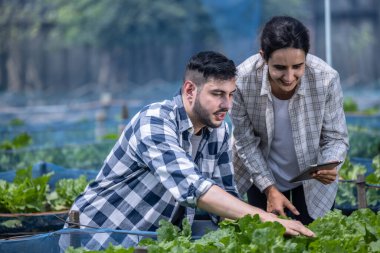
[[172, 154]]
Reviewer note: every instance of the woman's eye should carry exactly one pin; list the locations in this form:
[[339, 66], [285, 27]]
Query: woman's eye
[[279, 67]]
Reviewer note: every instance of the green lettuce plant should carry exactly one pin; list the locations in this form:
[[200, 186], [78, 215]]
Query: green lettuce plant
[[29, 195]]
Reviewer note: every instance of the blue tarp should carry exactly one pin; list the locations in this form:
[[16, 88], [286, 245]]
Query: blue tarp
[[60, 240], [84, 156], [368, 121], [366, 162]]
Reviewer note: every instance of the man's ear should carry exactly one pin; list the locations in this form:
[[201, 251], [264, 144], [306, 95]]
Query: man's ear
[[189, 90]]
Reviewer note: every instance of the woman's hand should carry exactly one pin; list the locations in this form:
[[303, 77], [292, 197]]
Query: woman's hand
[[326, 176], [277, 202]]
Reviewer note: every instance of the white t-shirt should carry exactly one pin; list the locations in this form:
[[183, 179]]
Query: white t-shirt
[[195, 140], [282, 158]]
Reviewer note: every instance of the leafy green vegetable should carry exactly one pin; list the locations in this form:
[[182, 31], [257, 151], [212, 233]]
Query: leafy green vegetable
[[350, 105], [350, 171], [66, 190], [364, 142], [335, 232], [15, 223], [110, 249], [373, 194], [374, 178], [110, 136], [347, 194], [359, 232], [169, 237], [20, 141], [339, 233], [25, 194], [247, 234], [81, 156], [16, 122]]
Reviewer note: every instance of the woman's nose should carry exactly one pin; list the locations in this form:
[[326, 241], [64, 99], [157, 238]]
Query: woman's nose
[[289, 76]]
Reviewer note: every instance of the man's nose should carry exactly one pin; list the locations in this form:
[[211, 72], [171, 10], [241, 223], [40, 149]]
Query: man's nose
[[227, 102]]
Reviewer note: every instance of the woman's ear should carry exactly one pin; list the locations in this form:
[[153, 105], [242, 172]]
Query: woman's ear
[[262, 54]]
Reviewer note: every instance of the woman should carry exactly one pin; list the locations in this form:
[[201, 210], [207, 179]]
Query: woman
[[287, 114]]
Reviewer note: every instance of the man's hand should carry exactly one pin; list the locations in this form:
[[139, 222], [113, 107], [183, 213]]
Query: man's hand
[[277, 202], [218, 201], [295, 228], [326, 176]]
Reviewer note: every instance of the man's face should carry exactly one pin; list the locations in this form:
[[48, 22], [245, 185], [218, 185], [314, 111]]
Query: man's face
[[286, 67], [213, 101]]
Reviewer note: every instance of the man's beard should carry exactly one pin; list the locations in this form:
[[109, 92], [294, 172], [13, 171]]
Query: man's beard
[[203, 116]]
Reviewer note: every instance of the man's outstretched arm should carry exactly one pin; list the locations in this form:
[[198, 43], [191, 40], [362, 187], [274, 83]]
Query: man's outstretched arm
[[221, 203]]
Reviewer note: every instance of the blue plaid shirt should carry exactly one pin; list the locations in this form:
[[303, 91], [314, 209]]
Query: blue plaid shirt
[[150, 172]]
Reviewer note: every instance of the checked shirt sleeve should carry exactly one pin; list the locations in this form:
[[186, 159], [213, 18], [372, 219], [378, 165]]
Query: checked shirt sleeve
[[223, 172], [334, 136], [159, 147]]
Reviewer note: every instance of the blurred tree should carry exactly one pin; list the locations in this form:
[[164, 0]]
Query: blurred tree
[[300, 9], [20, 21], [136, 36], [49, 44], [137, 40]]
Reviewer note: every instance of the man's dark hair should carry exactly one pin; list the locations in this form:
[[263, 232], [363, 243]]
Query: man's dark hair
[[209, 65], [284, 32]]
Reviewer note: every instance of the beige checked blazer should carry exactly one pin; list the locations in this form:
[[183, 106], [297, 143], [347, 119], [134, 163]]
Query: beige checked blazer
[[318, 127]]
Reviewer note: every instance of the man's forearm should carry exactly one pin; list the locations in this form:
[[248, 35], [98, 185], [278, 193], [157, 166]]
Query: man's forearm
[[221, 203]]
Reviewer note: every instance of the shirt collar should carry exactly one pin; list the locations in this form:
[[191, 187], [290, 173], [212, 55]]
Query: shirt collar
[[265, 86], [184, 121], [301, 89]]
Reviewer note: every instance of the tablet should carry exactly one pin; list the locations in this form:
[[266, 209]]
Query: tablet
[[306, 175]]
